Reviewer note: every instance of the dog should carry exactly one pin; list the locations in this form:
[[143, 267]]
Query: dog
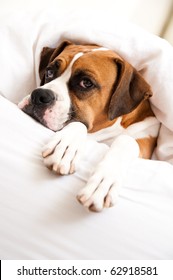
[[86, 89]]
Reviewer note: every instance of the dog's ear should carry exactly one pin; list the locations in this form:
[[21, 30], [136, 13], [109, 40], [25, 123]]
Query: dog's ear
[[130, 90], [48, 55]]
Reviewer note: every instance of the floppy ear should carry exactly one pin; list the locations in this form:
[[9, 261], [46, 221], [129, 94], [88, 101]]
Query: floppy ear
[[48, 55], [131, 89]]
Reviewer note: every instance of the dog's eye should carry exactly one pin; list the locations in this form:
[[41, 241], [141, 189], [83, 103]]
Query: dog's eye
[[86, 84], [82, 84], [49, 74]]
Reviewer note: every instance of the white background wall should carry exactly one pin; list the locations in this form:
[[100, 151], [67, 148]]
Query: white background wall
[[150, 14]]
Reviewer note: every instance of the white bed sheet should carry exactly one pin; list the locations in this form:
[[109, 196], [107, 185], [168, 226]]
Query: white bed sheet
[[40, 216]]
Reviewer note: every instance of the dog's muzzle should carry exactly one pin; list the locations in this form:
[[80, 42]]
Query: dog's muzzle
[[44, 106]]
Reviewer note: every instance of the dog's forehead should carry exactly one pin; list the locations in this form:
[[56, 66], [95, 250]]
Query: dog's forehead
[[89, 49], [89, 56], [70, 51]]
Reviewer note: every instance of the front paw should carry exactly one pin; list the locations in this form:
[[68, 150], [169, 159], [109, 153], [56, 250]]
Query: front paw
[[101, 191], [62, 153]]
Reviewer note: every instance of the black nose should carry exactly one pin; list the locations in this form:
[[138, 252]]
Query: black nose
[[42, 96]]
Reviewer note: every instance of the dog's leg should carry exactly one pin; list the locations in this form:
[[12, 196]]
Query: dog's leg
[[63, 151], [103, 186]]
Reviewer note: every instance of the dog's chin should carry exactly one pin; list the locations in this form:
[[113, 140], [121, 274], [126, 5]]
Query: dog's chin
[[54, 122], [53, 126], [48, 118]]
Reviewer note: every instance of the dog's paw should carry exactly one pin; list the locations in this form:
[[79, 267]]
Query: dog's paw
[[63, 151], [101, 190]]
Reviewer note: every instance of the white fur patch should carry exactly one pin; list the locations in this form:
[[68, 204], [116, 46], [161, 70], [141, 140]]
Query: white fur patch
[[148, 127], [63, 151], [103, 186], [100, 49]]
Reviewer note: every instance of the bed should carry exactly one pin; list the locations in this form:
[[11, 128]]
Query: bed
[[40, 216]]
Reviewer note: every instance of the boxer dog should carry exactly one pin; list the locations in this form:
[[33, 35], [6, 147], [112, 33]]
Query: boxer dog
[[90, 89]]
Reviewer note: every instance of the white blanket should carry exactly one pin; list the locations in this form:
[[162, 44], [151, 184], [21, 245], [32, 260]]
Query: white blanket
[[40, 217]]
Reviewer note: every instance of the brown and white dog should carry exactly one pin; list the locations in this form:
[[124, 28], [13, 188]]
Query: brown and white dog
[[88, 88]]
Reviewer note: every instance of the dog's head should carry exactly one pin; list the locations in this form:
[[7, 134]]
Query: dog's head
[[86, 83]]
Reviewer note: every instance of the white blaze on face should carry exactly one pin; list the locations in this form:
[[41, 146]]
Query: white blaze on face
[[100, 49], [57, 115]]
